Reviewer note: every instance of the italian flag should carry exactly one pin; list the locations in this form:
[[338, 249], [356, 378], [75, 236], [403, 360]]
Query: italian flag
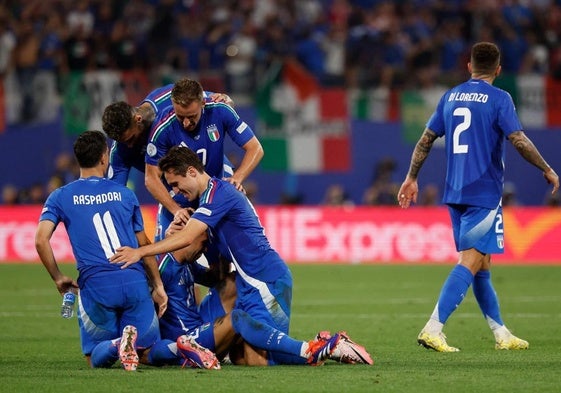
[[303, 127]]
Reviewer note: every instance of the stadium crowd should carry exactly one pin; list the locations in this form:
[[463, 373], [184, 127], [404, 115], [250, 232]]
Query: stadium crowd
[[344, 42], [373, 44]]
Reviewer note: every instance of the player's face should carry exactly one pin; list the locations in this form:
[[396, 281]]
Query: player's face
[[189, 115], [185, 185], [132, 136]]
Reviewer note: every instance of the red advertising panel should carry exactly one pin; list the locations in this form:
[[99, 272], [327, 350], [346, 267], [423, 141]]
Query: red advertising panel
[[338, 235]]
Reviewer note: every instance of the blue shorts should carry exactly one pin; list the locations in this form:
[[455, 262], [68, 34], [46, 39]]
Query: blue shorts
[[204, 335], [267, 302], [211, 306], [182, 311], [477, 227], [110, 301]]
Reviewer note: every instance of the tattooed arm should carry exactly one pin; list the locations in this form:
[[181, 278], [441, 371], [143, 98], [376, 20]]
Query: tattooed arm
[[528, 150], [410, 189]]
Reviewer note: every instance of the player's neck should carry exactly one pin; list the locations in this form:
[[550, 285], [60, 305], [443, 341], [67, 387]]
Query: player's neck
[[484, 77], [147, 112], [91, 172]]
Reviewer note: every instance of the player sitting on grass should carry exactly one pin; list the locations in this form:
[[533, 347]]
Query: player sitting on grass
[[257, 345]]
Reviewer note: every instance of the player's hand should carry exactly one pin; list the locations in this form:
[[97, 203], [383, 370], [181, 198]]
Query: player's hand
[[235, 183], [126, 255], [174, 227], [221, 97], [65, 283], [160, 298], [182, 215], [552, 178], [408, 193]]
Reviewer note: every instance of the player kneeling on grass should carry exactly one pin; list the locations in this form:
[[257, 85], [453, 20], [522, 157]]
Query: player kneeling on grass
[[116, 311], [234, 332]]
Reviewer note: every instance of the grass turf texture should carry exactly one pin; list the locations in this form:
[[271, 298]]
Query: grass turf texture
[[381, 306]]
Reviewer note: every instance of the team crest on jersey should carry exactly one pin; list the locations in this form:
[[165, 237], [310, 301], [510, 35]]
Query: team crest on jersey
[[151, 149], [213, 133]]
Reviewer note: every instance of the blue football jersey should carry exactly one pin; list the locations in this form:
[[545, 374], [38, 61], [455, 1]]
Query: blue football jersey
[[475, 117], [207, 139], [236, 228], [182, 312], [99, 216], [122, 157]]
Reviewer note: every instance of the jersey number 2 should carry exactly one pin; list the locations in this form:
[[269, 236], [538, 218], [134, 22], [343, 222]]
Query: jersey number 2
[[465, 113]]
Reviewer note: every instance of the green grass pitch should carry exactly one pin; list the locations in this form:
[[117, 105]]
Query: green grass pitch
[[382, 307]]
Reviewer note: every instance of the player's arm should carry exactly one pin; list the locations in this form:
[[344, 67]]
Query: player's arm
[[251, 158], [528, 150], [185, 237], [153, 182], [151, 267], [43, 236], [409, 188]]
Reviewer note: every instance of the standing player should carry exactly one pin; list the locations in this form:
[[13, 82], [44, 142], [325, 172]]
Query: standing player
[[130, 127], [475, 118], [101, 216]]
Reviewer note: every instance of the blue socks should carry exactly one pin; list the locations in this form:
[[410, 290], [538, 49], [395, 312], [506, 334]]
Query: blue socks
[[453, 292], [105, 354], [266, 337], [487, 298], [161, 353]]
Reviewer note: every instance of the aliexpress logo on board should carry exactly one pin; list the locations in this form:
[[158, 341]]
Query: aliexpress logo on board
[[525, 228]]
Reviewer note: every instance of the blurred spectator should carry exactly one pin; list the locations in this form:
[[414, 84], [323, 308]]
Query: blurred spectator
[[552, 200], [291, 199], [187, 52], [429, 196], [80, 18], [333, 45], [509, 195], [45, 85], [383, 189], [240, 67], [10, 195], [79, 48], [123, 49], [34, 195], [7, 42], [335, 195], [251, 191], [54, 183], [66, 168], [26, 58]]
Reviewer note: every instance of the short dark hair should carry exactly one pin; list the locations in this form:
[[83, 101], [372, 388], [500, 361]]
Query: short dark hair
[[89, 147], [178, 159], [485, 57], [186, 91], [116, 119]]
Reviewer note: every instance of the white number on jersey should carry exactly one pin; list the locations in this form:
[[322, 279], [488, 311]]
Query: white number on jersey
[[464, 125], [499, 224], [106, 233]]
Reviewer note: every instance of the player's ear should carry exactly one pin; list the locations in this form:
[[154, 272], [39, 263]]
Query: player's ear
[[498, 70]]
